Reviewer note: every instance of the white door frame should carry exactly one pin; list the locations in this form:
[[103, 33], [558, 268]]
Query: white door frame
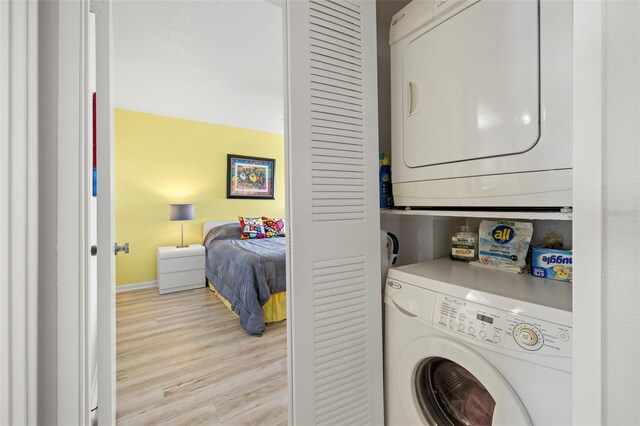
[[74, 107], [72, 213], [106, 264], [587, 207], [18, 212]]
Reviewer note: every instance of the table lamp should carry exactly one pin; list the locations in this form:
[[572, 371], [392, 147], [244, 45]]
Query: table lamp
[[181, 212]]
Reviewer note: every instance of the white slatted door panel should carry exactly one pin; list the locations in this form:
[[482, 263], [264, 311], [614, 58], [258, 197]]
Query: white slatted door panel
[[334, 294], [337, 111]]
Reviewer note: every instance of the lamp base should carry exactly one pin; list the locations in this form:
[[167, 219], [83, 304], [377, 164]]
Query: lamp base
[[182, 237]]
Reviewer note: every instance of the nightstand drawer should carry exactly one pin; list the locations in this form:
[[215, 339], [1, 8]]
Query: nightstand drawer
[[177, 264], [178, 280]]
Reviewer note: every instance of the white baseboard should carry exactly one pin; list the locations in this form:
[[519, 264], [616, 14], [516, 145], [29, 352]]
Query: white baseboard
[[136, 286]]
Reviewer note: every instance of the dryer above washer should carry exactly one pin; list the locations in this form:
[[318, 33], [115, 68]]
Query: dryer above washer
[[482, 103]]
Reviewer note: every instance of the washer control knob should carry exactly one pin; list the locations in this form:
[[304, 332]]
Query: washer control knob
[[452, 323], [461, 327], [496, 339], [442, 320], [472, 330], [483, 334], [528, 336]]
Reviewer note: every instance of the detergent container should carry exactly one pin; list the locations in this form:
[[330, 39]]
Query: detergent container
[[386, 188]]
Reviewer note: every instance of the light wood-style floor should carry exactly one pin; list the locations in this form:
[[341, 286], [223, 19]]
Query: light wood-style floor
[[183, 359]]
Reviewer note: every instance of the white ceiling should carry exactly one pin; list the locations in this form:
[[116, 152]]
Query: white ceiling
[[213, 61]]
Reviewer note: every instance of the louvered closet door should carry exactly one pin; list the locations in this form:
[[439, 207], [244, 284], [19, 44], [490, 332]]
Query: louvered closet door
[[334, 282]]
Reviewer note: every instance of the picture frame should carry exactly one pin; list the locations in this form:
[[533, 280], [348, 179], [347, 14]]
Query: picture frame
[[250, 177]]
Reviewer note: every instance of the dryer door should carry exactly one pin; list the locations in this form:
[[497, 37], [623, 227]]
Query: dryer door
[[471, 85], [445, 383]]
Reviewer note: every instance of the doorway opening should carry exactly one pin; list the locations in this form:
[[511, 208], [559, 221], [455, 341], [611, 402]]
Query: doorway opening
[[199, 199]]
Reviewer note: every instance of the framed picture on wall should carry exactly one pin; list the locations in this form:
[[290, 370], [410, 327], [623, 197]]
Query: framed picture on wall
[[250, 177]]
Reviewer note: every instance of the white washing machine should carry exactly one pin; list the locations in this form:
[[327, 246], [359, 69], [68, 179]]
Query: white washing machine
[[481, 101], [492, 349]]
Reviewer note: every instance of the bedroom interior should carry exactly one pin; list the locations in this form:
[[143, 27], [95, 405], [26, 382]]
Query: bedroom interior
[[161, 160], [189, 322]]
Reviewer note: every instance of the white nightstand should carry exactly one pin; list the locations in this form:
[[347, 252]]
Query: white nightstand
[[181, 268]]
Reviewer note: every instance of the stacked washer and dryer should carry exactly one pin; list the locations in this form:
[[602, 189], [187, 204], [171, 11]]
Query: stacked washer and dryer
[[481, 118]]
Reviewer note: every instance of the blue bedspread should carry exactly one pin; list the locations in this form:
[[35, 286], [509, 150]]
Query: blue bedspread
[[245, 272]]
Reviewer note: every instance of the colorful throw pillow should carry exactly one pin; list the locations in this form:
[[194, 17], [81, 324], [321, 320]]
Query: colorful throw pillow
[[273, 227], [251, 227]]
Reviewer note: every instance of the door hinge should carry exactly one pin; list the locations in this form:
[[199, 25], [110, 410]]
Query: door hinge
[[94, 250]]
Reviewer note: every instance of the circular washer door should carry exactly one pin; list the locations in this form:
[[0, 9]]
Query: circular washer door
[[445, 383]]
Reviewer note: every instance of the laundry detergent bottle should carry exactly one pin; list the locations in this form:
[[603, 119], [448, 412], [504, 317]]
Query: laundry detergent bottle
[[386, 189]]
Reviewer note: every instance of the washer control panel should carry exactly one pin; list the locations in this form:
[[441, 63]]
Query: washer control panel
[[534, 335], [470, 319], [496, 327]]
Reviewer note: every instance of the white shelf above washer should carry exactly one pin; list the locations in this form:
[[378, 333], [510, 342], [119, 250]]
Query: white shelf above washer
[[485, 214]]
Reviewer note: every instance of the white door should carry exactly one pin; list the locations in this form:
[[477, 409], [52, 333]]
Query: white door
[[105, 215], [334, 303], [471, 85], [92, 285]]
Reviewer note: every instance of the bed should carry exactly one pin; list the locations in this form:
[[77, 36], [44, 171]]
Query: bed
[[249, 276]]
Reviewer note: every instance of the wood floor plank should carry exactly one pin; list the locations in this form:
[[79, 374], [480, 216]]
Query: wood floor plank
[[183, 359]]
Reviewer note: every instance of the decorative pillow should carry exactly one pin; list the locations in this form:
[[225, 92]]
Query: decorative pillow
[[273, 227], [251, 227]]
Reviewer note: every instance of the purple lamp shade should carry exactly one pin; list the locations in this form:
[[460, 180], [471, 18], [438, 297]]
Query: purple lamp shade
[[181, 211]]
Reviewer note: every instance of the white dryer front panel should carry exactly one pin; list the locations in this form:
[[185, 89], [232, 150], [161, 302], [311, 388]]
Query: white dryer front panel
[[481, 103], [472, 87]]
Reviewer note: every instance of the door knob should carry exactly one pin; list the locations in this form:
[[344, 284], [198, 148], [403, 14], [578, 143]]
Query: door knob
[[123, 248]]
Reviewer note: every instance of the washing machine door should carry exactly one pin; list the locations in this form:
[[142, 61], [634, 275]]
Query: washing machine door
[[445, 383]]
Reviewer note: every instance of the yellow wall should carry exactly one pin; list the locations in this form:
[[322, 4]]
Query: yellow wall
[[161, 160]]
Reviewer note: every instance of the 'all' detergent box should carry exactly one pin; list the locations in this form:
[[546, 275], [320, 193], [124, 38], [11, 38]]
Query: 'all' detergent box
[[504, 244], [552, 264]]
